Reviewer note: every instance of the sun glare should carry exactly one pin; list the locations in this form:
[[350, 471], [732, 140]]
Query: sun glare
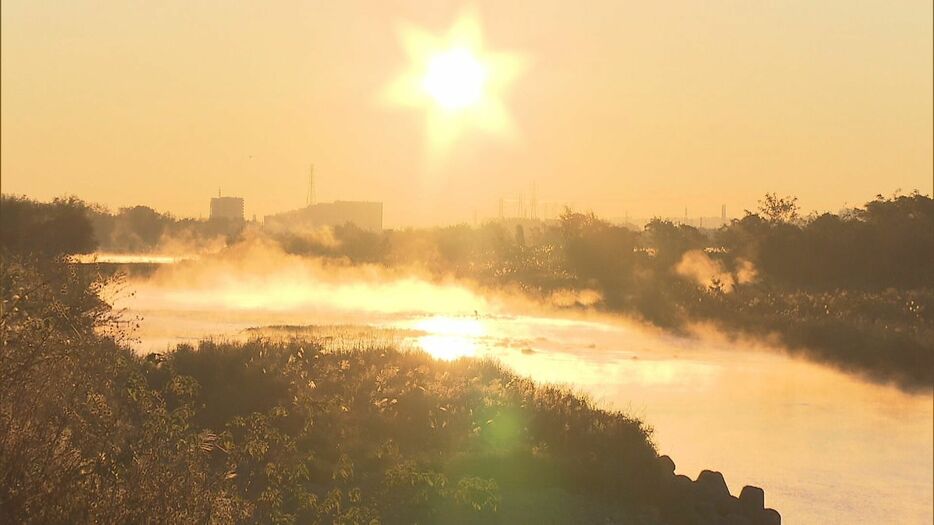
[[449, 338], [456, 80]]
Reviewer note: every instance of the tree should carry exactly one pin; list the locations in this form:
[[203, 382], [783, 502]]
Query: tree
[[596, 250], [670, 241], [59, 227], [144, 223], [779, 210]]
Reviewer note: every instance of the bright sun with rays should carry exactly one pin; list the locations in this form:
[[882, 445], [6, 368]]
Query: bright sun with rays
[[457, 81]]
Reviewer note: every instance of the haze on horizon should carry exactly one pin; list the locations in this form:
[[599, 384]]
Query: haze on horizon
[[623, 107]]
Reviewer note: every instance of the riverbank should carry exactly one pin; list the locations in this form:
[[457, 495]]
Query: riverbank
[[421, 440]]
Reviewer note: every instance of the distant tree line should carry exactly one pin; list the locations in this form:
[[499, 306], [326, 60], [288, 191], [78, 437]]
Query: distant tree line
[[887, 243], [61, 226], [70, 225], [143, 229]]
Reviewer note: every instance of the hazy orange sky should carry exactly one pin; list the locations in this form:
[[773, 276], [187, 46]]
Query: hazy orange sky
[[625, 106]]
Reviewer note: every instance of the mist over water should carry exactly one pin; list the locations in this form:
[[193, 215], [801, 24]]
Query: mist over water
[[826, 446]]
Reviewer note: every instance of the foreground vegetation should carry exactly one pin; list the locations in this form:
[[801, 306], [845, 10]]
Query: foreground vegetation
[[296, 432]]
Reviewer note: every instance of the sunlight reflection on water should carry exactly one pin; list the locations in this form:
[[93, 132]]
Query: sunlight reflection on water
[[124, 258], [449, 338]]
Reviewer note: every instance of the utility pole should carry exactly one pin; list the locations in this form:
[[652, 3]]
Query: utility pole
[[311, 185]]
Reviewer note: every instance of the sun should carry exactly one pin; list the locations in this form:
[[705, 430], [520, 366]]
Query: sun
[[459, 83], [455, 79]]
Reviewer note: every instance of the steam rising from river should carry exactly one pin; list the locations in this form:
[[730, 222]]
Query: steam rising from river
[[255, 283], [258, 275], [703, 270]]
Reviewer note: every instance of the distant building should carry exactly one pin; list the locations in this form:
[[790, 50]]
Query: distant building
[[227, 208], [364, 215]]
